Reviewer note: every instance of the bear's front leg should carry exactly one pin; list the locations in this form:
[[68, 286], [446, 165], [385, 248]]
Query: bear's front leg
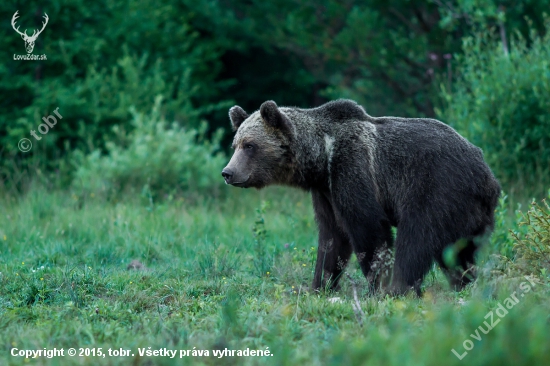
[[334, 248], [361, 216]]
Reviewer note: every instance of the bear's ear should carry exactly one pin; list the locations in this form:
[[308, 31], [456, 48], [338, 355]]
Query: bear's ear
[[273, 117], [237, 115]]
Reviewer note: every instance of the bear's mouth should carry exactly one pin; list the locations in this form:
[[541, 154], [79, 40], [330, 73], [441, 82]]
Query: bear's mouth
[[241, 184]]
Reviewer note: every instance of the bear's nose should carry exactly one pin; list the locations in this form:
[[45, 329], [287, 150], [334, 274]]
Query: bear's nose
[[227, 174]]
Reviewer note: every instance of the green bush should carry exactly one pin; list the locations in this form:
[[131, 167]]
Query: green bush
[[155, 157], [533, 248], [519, 248], [501, 103], [102, 58], [506, 222]]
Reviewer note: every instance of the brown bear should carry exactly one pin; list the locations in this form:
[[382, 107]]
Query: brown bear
[[366, 175]]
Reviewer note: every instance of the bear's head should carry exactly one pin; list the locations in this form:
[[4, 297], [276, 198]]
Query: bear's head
[[262, 147]]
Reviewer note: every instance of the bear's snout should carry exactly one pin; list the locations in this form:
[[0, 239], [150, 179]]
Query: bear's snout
[[227, 174]]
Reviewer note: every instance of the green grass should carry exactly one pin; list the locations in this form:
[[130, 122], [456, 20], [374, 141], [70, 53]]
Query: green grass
[[211, 283]]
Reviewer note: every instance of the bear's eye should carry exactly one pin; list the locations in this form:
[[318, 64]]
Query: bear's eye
[[248, 146]]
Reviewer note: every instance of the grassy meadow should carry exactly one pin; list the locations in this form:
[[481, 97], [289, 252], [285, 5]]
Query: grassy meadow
[[208, 273]]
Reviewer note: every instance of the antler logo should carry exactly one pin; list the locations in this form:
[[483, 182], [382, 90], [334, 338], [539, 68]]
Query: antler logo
[[29, 40]]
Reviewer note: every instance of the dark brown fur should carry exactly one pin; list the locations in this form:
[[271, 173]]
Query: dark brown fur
[[367, 174]]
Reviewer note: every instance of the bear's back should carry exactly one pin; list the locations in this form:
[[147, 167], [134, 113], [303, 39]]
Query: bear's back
[[421, 133]]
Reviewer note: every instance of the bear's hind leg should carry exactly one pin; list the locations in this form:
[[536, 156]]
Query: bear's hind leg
[[464, 271], [414, 255], [466, 259]]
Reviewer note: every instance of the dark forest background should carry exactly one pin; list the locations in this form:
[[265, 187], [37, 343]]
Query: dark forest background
[[118, 70]]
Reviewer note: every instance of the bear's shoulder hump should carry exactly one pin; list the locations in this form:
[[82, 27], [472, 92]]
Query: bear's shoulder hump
[[340, 110]]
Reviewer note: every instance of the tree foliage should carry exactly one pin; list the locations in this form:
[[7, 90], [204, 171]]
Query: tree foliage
[[202, 56], [501, 103]]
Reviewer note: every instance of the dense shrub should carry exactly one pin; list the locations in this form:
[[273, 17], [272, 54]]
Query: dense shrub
[[102, 58], [533, 248], [519, 248], [156, 158], [501, 103], [507, 219]]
